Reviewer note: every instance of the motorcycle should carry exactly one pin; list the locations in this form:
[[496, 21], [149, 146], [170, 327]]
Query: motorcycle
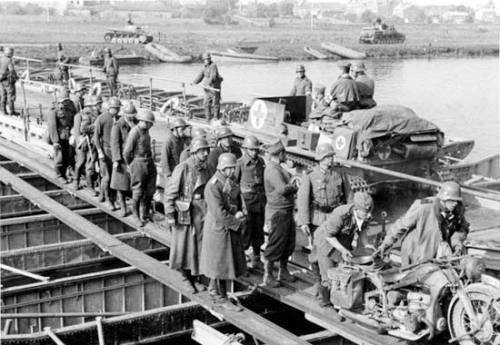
[[422, 300]]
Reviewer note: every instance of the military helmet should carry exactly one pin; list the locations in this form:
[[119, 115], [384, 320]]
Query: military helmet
[[146, 116], [8, 51], [450, 191], [92, 100], [179, 122], [363, 201], [358, 66], [223, 132], [206, 56], [114, 102], [324, 150], [344, 65], [276, 148], [198, 144], [300, 68], [128, 109], [226, 160], [251, 142], [198, 132]]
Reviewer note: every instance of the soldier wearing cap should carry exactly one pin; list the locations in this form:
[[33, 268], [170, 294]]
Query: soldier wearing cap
[[250, 176], [302, 86], [62, 72], [366, 85], [185, 210], [175, 141], [120, 176], [222, 255], [431, 228], [196, 132], [344, 91], [139, 157], [102, 141], [280, 193], [320, 192], [77, 96], [212, 81], [224, 137], [344, 230], [8, 79], [111, 69]]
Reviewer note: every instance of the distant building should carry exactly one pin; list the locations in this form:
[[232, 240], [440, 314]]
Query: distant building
[[409, 13], [318, 9], [486, 15], [455, 17], [382, 8]]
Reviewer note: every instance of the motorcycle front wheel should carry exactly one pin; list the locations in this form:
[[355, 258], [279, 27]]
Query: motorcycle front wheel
[[486, 303]]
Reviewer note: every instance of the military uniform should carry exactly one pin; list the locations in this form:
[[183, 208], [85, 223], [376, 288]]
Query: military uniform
[[301, 87], [77, 102], [210, 77], [60, 122], [111, 69], [250, 176], [88, 152], [213, 157], [120, 177], [62, 73], [102, 141], [8, 78], [366, 89], [345, 93], [170, 154]]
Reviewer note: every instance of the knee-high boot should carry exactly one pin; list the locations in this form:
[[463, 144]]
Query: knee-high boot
[[283, 274], [269, 279], [123, 204]]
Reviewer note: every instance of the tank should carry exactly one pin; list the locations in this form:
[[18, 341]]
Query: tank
[[132, 34], [376, 35]]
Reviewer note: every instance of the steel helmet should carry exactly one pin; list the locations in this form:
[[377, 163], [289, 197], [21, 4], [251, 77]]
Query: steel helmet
[[223, 132], [324, 150], [276, 148], [450, 191], [358, 66], [179, 122], [206, 56], [114, 102], [8, 51], [198, 144], [198, 132], [363, 201], [300, 68], [226, 160], [251, 142], [145, 115], [128, 109]]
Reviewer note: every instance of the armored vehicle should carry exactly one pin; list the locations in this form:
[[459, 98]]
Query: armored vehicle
[[132, 34], [376, 35]]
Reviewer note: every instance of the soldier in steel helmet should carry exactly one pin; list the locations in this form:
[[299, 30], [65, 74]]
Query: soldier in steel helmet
[[222, 255], [212, 81], [102, 141], [432, 227], [120, 176], [8, 79], [77, 96], [224, 137], [320, 192], [366, 85], [250, 176], [139, 157], [176, 140], [111, 69], [345, 229], [302, 86], [185, 210], [196, 132]]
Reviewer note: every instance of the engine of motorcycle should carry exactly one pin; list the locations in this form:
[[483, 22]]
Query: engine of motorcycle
[[407, 320], [410, 310]]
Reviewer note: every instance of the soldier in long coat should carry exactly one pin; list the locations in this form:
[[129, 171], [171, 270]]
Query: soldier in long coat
[[111, 69], [222, 254], [175, 140], [185, 209], [320, 192], [212, 81], [120, 177]]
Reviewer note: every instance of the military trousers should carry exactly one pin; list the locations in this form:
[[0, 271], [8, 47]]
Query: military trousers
[[62, 158], [326, 262], [281, 240], [211, 104], [143, 179], [111, 81], [253, 232], [7, 97], [105, 171]]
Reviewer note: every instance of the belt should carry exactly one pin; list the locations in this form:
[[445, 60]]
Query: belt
[[324, 209]]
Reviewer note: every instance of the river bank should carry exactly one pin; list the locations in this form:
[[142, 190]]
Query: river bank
[[36, 38]]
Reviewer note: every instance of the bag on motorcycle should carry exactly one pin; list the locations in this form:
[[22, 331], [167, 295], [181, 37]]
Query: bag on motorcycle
[[346, 287]]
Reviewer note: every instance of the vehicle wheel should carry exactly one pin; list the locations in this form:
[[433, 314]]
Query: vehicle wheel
[[113, 40], [487, 306], [108, 37]]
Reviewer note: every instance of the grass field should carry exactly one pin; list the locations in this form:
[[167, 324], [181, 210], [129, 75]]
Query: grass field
[[36, 37]]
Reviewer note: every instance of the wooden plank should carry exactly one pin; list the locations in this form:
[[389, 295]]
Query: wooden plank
[[32, 178]]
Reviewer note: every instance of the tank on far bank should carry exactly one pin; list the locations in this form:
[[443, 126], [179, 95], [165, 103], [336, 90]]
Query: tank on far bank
[[381, 35]]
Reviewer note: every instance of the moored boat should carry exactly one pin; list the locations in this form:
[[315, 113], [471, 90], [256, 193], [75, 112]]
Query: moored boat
[[316, 53], [343, 51], [233, 55], [166, 55], [121, 59]]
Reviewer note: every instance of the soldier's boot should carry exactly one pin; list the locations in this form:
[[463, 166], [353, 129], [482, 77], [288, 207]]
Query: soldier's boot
[[12, 110], [76, 183], [198, 285], [268, 279], [324, 296], [187, 281], [122, 203], [317, 278], [255, 262], [135, 211], [143, 210], [225, 303], [283, 274], [109, 202], [70, 174], [90, 185]]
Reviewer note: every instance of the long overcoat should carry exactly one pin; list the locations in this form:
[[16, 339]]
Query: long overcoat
[[222, 254], [120, 177]]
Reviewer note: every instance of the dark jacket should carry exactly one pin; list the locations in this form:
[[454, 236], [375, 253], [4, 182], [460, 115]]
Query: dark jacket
[[345, 92], [170, 154], [250, 176], [120, 178], [110, 66], [301, 87], [102, 133], [280, 193], [210, 76], [7, 70], [138, 145], [59, 123], [366, 89]]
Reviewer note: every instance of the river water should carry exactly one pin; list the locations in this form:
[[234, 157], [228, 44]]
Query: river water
[[461, 96]]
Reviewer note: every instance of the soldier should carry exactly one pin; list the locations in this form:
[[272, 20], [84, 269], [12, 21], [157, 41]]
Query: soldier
[[320, 192], [344, 91], [102, 140], [222, 255], [76, 143], [185, 210], [366, 85], [344, 230], [302, 86], [111, 69], [280, 193], [87, 149], [8, 78], [224, 137], [77, 96], [62, 72], [196, 132], [120, 177], [212, 87], [67, 103], [139, 157], [171, 150], [433, 227], [60, 122], [250, 175]]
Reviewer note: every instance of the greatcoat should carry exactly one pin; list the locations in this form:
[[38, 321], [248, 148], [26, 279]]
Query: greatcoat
[[120, 177]]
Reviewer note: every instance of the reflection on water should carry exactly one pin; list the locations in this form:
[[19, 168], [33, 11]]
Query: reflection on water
[[460, 95]]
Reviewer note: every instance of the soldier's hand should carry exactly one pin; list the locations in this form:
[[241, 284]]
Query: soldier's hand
[[239, 215], [459, 249], [346, 255], [100, 154], [116, 164], [305, 229]]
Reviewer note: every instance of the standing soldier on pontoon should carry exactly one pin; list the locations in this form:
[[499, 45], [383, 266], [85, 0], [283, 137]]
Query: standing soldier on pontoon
[[62, 71], [111, 69], [250, 175], [280, 193], [175, 141], [185, 210], [302, 85], [77, 96], [212, 81], [320, 192], [120, 177], [102, 140], [224, 144], [8, 78]]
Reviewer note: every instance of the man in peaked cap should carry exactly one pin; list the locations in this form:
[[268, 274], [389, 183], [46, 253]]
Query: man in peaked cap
[[302, 85]]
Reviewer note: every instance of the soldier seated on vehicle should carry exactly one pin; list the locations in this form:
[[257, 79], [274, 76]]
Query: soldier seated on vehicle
[[344, 92], [366, 85]]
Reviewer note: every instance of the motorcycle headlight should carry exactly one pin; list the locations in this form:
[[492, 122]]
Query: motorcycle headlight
[[473, 267]]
